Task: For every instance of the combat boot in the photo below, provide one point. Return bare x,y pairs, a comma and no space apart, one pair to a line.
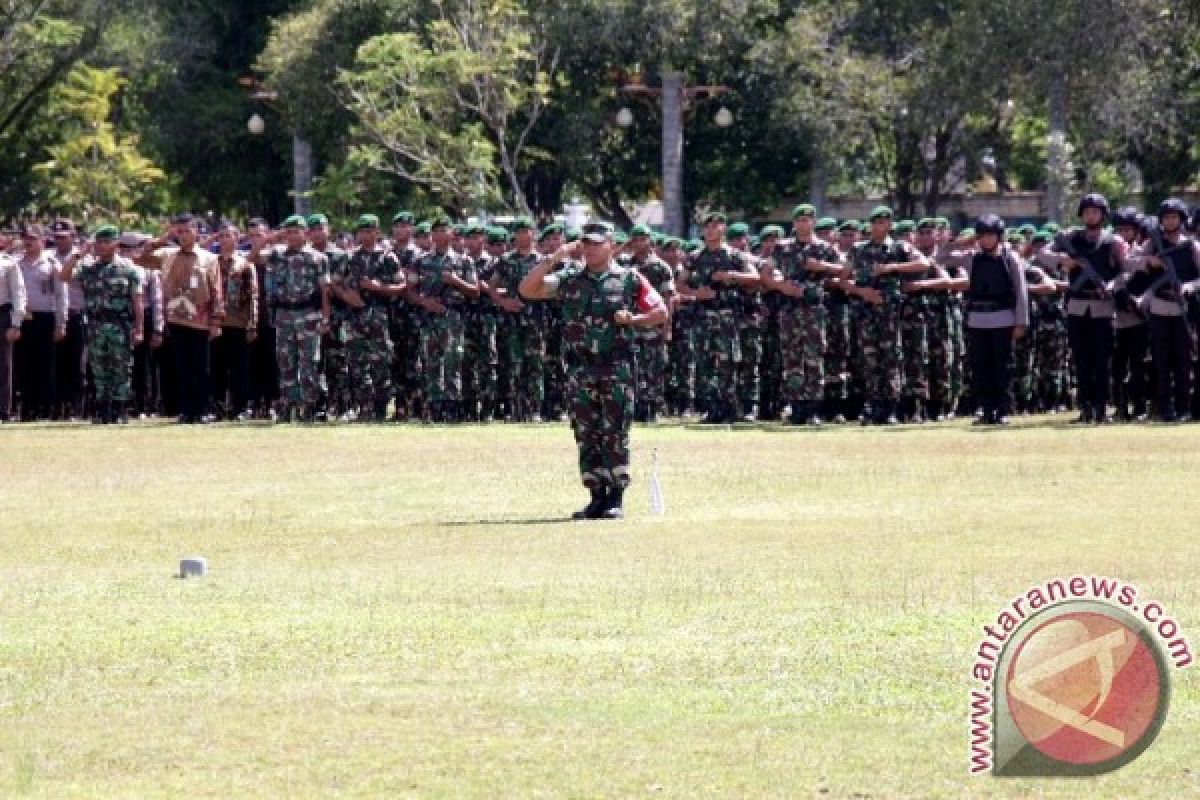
594,509
615,508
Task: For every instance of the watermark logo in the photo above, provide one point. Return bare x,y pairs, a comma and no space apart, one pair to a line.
1072,678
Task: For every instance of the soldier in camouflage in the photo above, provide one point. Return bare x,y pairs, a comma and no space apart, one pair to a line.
522,328
653,354
770,371
297,290
112,292
337,394
601,302
681,383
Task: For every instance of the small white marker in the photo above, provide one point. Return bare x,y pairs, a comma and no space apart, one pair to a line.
657,503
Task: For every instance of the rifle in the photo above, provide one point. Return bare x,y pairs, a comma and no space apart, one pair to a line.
1087,272
1170,274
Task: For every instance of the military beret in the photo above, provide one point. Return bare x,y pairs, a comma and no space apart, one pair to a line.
640,230
441,221
714,216
295,221
804,210
366,221
927,224
737,230
1014,235
825,224
550,230
522,224
966,233
942,222
404,217
620,237
671,243
573,234
693,244
459,229
771,230
107,233
497,235
850,225
905,226
657,239
316,220
423,228
1028,229
474,230
880,212
1042,236
1052,227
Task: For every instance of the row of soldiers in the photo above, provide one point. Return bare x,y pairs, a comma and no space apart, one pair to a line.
827,321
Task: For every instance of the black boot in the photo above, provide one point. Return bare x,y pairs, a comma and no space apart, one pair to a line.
615,508
594,509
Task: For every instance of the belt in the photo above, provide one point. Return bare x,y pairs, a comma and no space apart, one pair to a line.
987,306
304,305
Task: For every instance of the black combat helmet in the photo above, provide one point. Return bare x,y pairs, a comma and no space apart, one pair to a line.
1093,200
1173,205
990,223
1127,216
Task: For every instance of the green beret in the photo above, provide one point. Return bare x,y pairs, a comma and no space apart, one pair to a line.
804,210
1042,236
1028,229
671,243
317,219
693,244
927,224
658,239
107,232
880,212
405,217
905,226
966,233
640,230
296,221
550,230
621,237
459,230
366,221
496,235
850,225
1015,235
573,234
441,221
423,228
825,224
942,222
714,216
771,230
1052,227
475,230
737,229
522,224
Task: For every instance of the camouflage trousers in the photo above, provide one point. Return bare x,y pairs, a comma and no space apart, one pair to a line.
750,335
876,360
442,346
525,360
110,357
1050,359
719,352
802,341
404,331
336,369
480,364
1024,375
914,344
555,369
838,343
771,385
369,353
298,354
601,410
946,353
653,360
682,382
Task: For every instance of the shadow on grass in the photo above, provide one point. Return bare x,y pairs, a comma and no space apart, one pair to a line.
468,523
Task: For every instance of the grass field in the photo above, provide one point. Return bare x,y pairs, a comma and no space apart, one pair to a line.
401,611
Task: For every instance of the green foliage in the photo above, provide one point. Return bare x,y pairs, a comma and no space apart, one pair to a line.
95,169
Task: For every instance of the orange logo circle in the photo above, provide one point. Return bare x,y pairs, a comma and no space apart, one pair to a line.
1085,688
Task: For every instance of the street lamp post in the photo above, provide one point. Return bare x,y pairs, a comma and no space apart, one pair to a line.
674,98
301,149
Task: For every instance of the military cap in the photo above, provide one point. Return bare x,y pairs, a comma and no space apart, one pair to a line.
804,210
573,234
880,212
1042,236
942,222
295,221
850,225
966,233
1028,229
927,224
404,217
316,220
641,230
671,243
620,237
825,224
737,230
693,244
714,216
1014,235
550,230
185,218
366,221
905,226
107,233
522,224
1052,227
597,232
132,239
459,229
497,235
475,229
771,230
440,221
423,228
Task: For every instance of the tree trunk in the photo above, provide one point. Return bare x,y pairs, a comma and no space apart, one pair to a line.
1056,148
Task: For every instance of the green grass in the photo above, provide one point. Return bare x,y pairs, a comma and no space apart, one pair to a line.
389,611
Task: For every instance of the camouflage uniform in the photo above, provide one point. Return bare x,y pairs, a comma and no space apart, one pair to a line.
915,320
523,335
1024,350
600,372
295,280
751,322
405,332
877,362
946,349
482,357
443,335
368,343
682,381
802,326
718,337
336,369
110,290
1049,328
653,353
